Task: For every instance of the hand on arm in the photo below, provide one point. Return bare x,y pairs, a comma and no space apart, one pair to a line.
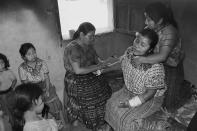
113,67
166,43
84,70
154,58
114,63
109,60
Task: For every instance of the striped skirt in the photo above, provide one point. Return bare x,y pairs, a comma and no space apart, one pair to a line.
86,98
127,119
174,80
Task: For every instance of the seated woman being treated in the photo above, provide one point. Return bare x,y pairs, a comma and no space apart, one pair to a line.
144,87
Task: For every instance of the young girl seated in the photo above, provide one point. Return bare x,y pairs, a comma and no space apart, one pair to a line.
35,70
28,107
7,83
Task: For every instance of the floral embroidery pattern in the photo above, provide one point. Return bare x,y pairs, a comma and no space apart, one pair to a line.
34,71
35,74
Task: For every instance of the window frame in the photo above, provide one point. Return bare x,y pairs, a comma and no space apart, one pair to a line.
109,30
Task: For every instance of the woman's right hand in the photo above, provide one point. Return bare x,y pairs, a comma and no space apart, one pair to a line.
100,68
103,65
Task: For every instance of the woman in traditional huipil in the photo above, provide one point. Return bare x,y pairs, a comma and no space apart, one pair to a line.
144,87
168,50
86,92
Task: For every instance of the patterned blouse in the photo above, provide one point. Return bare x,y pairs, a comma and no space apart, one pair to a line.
33,75
168,36
145,76
84,55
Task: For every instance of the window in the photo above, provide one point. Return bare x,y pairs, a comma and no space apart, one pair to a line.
73,12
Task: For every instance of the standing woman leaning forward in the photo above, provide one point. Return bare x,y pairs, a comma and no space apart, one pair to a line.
168,50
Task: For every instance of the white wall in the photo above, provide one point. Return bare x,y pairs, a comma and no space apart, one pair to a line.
23,25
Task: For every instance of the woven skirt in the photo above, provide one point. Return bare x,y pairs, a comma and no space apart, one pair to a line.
127,119
174,80
86,98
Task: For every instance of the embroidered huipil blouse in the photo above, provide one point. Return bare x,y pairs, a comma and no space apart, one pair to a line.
84,55
145,76
33,75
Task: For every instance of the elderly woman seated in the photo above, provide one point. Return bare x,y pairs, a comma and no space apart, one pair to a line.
144,87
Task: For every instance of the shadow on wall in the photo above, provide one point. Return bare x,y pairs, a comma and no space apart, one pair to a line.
20,23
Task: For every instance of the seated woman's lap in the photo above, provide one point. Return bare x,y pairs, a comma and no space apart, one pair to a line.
118,117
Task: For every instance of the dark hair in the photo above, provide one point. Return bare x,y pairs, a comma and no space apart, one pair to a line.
158,10
5,60
25,94
152,35
85,28
25,47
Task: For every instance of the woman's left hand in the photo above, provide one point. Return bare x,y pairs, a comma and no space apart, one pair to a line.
139,60
103,65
